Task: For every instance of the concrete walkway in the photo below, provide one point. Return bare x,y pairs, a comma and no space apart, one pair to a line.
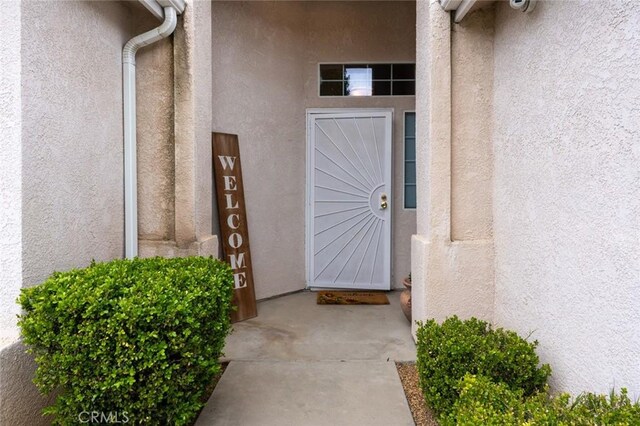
299,363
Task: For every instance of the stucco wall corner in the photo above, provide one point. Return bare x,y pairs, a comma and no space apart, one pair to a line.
206,211
153,248
155,142
184,128
471,127
419,255
471,282
206,246
174,143
452,279
10,170
194,206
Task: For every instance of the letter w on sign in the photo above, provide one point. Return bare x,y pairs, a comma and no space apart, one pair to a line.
234,230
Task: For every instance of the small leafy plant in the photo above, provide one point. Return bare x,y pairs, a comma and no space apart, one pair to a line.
447,352
483,402
136,338
616,409
471,375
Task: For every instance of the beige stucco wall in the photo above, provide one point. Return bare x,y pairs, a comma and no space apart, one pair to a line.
174,138
257,94
452,252
155,135
471,127
72,134
62,113
68,126
265,57
198,21
567,187
537,155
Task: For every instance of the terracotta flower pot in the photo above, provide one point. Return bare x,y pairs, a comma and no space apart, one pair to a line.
407,283
405,299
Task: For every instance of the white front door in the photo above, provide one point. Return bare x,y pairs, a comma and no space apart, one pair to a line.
349,199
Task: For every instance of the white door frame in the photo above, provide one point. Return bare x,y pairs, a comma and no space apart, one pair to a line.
310,158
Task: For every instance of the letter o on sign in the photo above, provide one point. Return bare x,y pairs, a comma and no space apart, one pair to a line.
235,240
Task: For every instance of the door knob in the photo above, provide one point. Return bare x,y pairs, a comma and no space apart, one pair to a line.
383,201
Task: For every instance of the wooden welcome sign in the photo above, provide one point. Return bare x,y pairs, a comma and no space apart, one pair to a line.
233,222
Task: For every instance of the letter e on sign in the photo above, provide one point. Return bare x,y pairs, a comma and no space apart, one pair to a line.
227,170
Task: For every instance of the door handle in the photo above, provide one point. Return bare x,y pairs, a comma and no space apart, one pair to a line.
383,201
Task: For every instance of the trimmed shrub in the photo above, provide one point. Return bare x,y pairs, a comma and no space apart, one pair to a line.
449,351
137,339
483,402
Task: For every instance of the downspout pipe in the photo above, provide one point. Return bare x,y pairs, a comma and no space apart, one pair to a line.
129,91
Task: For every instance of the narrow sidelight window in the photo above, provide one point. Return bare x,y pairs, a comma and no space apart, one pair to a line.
409,160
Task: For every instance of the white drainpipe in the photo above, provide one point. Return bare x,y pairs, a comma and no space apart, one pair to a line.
129,87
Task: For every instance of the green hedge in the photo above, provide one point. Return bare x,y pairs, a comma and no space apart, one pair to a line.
139,338
448,351
472,375
484,402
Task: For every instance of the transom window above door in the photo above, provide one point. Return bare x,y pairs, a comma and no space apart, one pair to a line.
397,79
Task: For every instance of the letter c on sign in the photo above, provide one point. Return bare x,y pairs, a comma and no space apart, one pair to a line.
80,417
230,221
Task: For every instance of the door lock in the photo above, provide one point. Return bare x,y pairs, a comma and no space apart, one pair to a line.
383,201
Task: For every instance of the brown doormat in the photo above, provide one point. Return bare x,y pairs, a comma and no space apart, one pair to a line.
351,298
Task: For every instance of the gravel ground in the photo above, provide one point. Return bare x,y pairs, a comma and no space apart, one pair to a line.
422,415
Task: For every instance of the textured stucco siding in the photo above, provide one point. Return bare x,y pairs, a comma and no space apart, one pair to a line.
452,252
471,128
10,170
423,108
175,186
265,57
61,163
72,134
257,94
206,214
154,134
61,166
567,187
420,241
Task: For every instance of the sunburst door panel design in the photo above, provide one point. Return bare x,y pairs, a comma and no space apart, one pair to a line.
349,200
